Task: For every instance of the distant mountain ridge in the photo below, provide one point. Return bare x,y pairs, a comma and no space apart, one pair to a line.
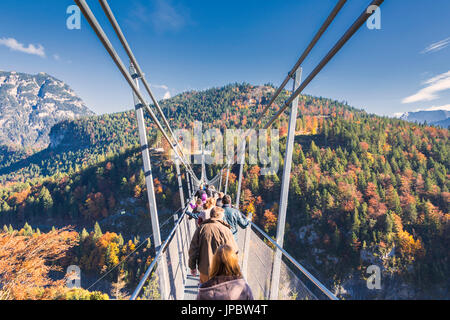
31,104
82,142
432,117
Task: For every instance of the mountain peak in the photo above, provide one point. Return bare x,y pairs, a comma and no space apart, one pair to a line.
432,117
31,104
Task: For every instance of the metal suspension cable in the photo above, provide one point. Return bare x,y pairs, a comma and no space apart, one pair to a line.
107,44
338,46
302,58
342,41
90,17
126,46
214,180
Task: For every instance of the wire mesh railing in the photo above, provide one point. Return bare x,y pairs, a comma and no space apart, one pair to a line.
296,283
165,277
261,259
167,274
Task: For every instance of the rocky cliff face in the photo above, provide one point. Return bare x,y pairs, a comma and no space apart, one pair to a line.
31,104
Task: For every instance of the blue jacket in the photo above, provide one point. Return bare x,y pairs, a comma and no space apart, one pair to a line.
234,218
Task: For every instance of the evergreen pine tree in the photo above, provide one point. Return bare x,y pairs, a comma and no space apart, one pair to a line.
97,231
84,235
356,222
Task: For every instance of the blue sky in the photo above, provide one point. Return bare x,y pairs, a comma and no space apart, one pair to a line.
184,45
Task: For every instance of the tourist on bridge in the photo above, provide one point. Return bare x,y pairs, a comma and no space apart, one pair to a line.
209,190
200,192
204,198
195,206
225,278
196,209
206,212
212,234
219,200
233,216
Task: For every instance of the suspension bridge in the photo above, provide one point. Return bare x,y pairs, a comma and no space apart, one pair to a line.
270,270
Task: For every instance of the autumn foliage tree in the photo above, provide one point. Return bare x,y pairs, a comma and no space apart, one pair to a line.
25,263
270,220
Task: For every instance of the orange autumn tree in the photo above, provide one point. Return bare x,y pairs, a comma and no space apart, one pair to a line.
25,263
270,220
409,248
376,207
104,252
95,206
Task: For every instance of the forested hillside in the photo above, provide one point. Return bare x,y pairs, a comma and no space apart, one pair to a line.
84,142
364,189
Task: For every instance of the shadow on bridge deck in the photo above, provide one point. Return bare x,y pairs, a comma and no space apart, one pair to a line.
191,287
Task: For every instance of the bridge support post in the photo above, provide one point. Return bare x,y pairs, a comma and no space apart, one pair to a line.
188,184
193,185
163,276
226,180
274,288
246,248
203,177
220,180
187,222
180,183
241,168
238,196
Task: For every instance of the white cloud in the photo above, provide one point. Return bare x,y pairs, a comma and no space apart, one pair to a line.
437,78
160,86
434,108
14,45
435,85
167,95
56,57
437,46
167,16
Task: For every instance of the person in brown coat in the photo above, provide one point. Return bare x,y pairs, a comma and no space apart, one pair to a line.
226,281
213,233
